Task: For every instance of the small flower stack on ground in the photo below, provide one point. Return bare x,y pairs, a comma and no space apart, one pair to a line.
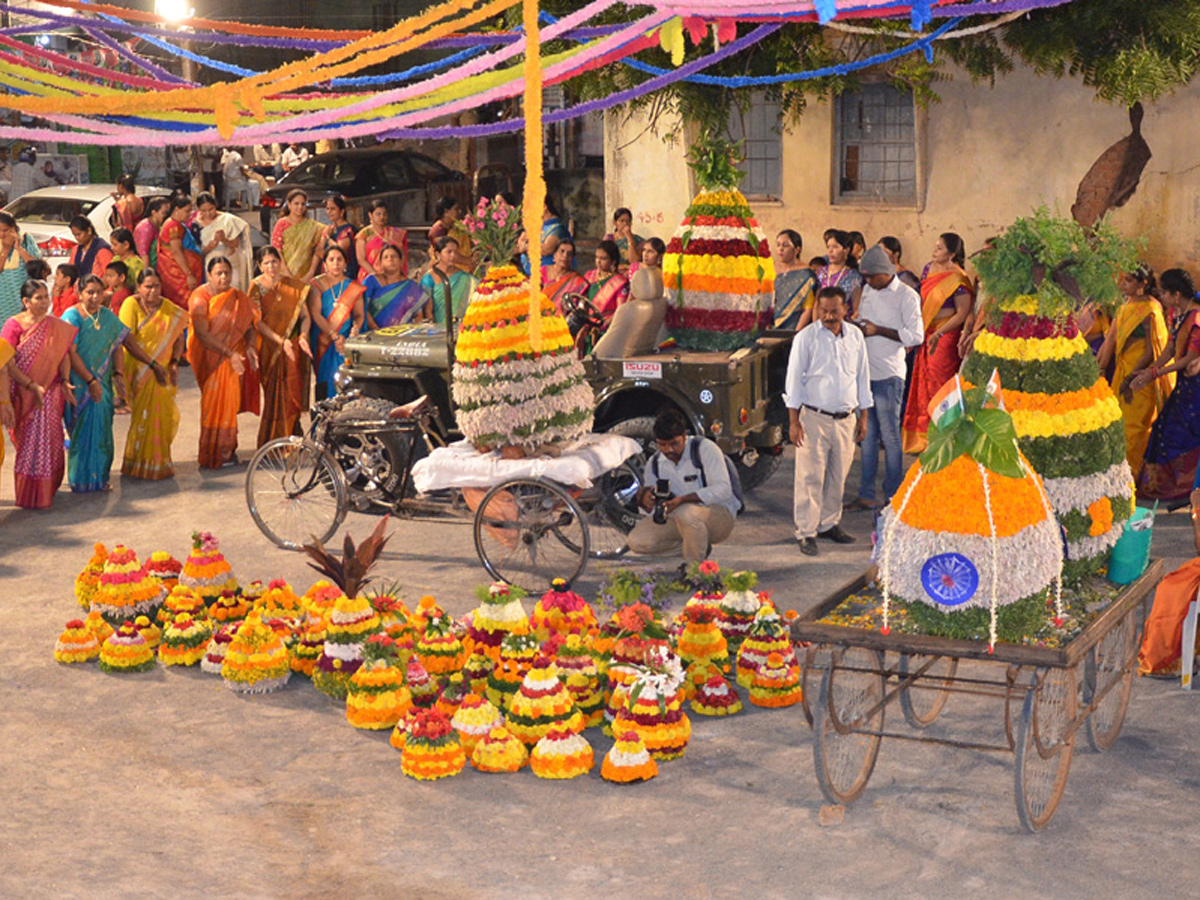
498,615
230,606
256,661
319,600
96,624
125,590
561,754
454,691
423,688
499,751
716,698
218,645
279,601
88,580
738,606
767,635
701,640
476,671
399,734
182,599
76,644
427,609
577,669
350,624
206,570
126,651
308,648
393,620
439,648
654,709
475,718
628,761
542,703
184,641
431,749
377,697
563,612
777,683
151,633
165,569
517,653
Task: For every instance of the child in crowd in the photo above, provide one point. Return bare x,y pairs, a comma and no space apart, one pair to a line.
115,290
63,293
37,270
125,251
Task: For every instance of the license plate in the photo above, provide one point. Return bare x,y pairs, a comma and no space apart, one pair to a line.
636,369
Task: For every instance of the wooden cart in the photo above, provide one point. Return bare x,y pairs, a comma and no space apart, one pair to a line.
1048,694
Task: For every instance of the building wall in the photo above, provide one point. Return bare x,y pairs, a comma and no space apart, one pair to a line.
990,154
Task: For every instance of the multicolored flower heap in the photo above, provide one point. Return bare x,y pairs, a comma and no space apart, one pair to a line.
439,648
628,761
182,599
351,622
561,754
499,751
474,720
563,612
125,590
578,671
184,641
125,650
218,646
281,602
377,698
517,653
76,644
256,660
654,708
88,580
542,703
716,698
431,749
164,568
777,683
508,392
498,615
701,640
206,570
768,634
739,605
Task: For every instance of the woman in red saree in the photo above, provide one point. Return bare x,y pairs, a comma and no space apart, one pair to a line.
43,362
607,288
285,359
560,278
947,296
178,258
221,350
372,239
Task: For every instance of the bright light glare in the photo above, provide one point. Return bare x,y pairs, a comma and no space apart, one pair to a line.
173,10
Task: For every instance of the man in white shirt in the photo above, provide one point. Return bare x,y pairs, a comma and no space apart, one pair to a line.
293,156
889,316
702,507
828,393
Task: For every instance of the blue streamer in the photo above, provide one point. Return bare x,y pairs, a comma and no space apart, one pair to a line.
826,10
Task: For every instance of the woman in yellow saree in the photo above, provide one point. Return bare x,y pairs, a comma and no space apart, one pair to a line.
1135,339
158,328
296,237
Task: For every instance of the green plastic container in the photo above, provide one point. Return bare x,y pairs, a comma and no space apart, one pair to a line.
1131,553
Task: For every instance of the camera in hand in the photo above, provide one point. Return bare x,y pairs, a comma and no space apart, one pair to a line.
662,493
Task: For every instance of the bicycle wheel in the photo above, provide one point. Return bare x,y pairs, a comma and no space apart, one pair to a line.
295,492
849,716
610,509
923,700
1045,743
1109,662
529,532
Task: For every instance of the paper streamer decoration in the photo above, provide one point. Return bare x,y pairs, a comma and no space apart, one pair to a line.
534,200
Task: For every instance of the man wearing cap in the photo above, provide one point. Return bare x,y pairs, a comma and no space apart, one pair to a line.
890,319
828,393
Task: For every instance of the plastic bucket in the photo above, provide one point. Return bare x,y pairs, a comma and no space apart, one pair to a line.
1131,553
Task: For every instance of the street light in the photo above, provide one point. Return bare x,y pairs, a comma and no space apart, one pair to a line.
173,10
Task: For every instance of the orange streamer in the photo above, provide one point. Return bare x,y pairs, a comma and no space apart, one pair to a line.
136,15
534,200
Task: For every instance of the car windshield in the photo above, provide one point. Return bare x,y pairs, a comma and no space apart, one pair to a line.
429,169
330,175
49,210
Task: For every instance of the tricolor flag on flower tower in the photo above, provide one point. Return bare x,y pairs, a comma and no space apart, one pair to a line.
993,395
946,407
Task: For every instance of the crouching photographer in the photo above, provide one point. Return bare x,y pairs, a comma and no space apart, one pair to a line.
691,494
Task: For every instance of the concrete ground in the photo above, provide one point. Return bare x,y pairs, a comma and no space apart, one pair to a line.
167,785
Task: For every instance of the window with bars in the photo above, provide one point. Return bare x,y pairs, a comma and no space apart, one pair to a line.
759,127
876,145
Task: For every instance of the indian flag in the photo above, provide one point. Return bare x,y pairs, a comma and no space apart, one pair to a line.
993,396
947,404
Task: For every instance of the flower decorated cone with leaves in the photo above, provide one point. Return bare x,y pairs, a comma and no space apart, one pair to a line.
279,601
499,751
76,644
542,703
701,640
206,571
309,646
88,580
738,605
969,543
717,271
454,692
517,653
431,749
1067,419
377,697
628,761
165,569
256,661
475,718
125,650
439,648
768,634
476,670
561,754
182,599
563,612
318,601
654,708
230,606
218,646
578,671
498,615
776,684
125,590
184,641
423,687
716,697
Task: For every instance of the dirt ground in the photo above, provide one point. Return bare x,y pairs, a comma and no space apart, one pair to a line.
167,785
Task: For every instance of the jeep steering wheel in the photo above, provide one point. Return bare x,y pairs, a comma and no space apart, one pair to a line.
580,306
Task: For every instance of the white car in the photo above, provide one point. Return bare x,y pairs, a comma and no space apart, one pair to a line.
47,212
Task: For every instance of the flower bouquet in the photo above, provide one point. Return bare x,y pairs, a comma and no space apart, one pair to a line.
184,641
493,227
206,570
76,644
701,640
561,754
125,650
499,751
431,749
628,761
88,580
256,660
540,704
475,718
654,708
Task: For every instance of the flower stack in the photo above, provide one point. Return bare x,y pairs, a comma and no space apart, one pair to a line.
253,593
318,601
125,590
421,686
542,703
577,669
517,653
709,583
498,615
654,709
454,691
96,624
474,720
563,612
206,570
182,599
279,601
88,580
431,749
561,754
165,569
184,641
696,676
256,661
476,670
427,608
439,648
230,606
125,650
701,640
499,751
393,619
738,606
308,648
716,698
399,735
768,634
150,632
777,683
218,646
377,697
350,624
509,393
628,761
76,644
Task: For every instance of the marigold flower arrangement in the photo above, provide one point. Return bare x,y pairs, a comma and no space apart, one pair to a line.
399,735
96,624
696,676
498,615
230,606
517,653
628,761
351,622
308,649
164,568
256,661
654,708
476,670
88,580
206,570
540,704
182,599
701,640
394,620
423,688
427,608
76,644
184,641
577,670
776,684
439,648
499,751
561,754
218,646
563,612
125,590
716,698
281,602
377,697
151,633
318,601
474,719
125,650
431,749
768,634
738,605
454,691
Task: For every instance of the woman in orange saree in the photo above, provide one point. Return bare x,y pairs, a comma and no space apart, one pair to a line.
336,307
158,328
947,296
560,278
178,259
220,350
284,360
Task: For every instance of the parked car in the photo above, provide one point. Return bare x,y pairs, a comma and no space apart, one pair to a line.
410,182
47,212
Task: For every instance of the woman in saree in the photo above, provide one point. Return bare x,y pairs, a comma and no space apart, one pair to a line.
178,259
335,305
445,285
553,231
91,254
128,207
629,245
221,350
339,232
947,297
607,288
296,237
840,270
16,250
89,419
1169,467
559,278
227,235
285,360
795,282
372,239
390,298
158,328
124,251
1137,337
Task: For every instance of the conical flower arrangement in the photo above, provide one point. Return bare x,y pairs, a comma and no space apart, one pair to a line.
125,590
350,624
206,570
517,653
498,615
439,648
499,751
279,601
767,635
308,648
561,754
399,735
230,606
508,392
423,688
701,640
427,609
88,580
218,646
476,670
76,644
184,641
256,661
150,632
563,612
475,718
716,698
577,669
431,749
628,761
377,697
738,606
394,620
542,703
319,600
454,691
777,683
182,599
654,709
125,651
96,624
165,569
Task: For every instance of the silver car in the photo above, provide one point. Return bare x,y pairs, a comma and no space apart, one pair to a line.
47,212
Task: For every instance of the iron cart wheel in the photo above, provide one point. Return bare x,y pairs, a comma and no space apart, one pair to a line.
1045,744
529,532
374,462
923,700
849,717
295,492
1109,667
610,509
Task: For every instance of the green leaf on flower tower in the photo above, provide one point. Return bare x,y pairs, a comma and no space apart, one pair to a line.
715,160
985,433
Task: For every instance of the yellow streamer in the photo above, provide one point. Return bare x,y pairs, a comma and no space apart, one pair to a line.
670,36
534,200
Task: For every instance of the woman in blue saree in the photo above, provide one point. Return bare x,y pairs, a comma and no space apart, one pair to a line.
444,280
90,420
392,299
553,231
336,307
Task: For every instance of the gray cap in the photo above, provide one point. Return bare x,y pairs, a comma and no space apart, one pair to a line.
875,262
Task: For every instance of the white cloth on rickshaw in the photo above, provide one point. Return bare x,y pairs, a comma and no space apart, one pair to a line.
460,465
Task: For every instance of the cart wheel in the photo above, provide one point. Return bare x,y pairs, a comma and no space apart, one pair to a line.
848,710
813,661
610,509
1045,742
529,532
1110,662
923,700
295,492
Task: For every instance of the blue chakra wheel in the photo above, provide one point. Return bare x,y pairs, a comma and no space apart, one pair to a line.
950,578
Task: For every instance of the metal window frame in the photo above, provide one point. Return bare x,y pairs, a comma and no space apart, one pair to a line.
759,97
913,200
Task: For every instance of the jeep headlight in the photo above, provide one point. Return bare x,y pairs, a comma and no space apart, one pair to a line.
341,380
